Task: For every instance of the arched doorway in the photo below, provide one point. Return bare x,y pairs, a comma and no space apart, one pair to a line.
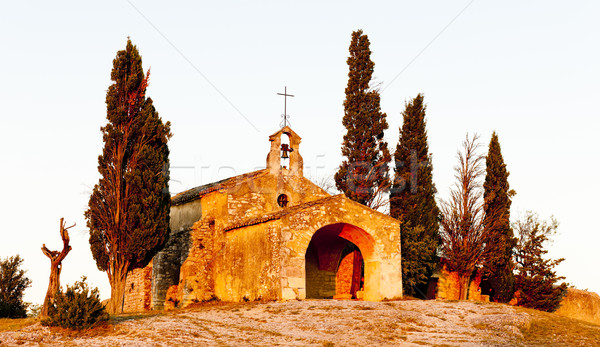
334,262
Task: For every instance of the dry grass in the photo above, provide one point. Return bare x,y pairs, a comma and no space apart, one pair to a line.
321,323
552,329
8,324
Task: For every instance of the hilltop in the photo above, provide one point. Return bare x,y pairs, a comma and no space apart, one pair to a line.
325,323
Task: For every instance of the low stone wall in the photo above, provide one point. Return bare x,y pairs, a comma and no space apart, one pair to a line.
581,304
138,289
448,287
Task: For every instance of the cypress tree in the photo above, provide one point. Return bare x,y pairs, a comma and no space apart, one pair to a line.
363,176
500,241
128,214
412,199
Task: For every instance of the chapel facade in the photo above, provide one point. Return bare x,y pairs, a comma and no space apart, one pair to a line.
270,234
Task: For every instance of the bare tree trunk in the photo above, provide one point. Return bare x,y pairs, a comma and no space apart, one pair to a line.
56,259
118,280
463,282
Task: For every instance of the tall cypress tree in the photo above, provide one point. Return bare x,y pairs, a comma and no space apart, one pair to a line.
128,213
412,199
500,241
363,176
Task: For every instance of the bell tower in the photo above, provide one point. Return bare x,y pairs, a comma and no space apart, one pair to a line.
276,159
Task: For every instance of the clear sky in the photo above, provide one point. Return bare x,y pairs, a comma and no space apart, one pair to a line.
526,69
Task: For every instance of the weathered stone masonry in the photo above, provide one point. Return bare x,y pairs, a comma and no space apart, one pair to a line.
248,237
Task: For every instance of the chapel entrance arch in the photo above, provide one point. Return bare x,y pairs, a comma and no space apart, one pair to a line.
335,262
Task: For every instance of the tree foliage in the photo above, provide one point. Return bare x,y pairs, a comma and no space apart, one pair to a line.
363,176
536,281
12,287
128,213
412,198
497,260
78,307
463,237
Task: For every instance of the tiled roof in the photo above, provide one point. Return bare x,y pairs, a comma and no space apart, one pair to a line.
198,192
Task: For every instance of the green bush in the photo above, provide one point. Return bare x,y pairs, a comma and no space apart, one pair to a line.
12,287
34,310
77,308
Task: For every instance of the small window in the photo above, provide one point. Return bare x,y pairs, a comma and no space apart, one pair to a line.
282,200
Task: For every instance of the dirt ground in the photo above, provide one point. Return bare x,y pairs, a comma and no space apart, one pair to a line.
326,323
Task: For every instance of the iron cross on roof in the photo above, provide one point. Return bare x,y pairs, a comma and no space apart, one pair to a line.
285,115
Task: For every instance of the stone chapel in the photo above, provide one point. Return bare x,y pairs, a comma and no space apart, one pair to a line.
270,234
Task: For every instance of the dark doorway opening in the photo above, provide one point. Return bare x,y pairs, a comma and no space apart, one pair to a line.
334,266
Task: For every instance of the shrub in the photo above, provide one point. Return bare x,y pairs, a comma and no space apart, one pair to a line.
77,308
34,310
12,285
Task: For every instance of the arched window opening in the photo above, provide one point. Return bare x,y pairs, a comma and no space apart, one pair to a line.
286,150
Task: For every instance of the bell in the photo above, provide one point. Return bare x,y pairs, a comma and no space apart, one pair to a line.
285,148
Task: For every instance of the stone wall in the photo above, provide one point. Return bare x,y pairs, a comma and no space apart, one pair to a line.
152,286
448,286
183,217
167,265
249,205
248,199
343,276
234,265
138,289
167,262
196,276
247,264
349,274
581,304
320,284
239,264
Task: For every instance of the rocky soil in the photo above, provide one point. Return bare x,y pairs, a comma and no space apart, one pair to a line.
326,323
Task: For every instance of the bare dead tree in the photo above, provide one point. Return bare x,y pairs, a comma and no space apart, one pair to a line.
56,259
380,200
380,192
462,233
326,183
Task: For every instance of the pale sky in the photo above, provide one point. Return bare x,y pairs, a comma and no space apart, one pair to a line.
527,69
